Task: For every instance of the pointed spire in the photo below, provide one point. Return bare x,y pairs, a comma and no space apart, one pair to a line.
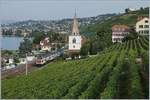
75,14
75,30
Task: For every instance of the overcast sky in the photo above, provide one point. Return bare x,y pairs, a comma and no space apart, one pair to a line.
58,9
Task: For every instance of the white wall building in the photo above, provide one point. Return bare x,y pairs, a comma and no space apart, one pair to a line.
11,60
45,44
119,32
142,26
74,42
75,39
46,48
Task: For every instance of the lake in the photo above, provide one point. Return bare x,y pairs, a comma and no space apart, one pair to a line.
10,43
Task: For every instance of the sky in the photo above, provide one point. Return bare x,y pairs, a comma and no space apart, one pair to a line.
58,9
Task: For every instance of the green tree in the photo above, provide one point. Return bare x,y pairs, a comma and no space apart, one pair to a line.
6,52
132,35
37,37
101,40
85,49
16,59
25,47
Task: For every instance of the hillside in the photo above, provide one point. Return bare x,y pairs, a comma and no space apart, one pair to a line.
63,25
100,33
129,19
114,73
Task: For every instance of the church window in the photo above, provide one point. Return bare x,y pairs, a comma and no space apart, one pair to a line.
74,46
74,40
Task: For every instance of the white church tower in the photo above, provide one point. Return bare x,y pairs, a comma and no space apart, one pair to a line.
75,39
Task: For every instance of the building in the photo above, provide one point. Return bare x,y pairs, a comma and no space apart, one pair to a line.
142,25
127,10
119,32
45,45
75,39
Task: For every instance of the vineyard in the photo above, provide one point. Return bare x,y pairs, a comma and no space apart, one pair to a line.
120,71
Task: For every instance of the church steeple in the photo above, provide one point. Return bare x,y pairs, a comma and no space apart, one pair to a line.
75,30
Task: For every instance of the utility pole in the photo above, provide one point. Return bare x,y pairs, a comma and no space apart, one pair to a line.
26,65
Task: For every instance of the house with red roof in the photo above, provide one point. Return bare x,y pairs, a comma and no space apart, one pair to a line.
119,32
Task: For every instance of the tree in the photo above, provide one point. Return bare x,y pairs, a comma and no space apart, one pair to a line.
25,47
130,36
101,40
6,52
37,37
7,32
85,49
19,33
127,10
16,59
94,46
141,8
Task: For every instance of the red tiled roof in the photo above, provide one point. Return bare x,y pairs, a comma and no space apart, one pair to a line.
120,28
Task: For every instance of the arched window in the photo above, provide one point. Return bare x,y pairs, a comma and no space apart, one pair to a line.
74,40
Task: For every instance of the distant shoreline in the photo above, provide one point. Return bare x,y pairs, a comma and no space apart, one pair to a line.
12,36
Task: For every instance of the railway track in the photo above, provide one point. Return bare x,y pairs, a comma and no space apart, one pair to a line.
18,70
32,65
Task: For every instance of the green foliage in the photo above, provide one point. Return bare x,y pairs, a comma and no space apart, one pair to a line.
101,30
6,52
129,19
75,91
145,56
16,59
111,89
85,49
38,37
145,61
135,89
53,37
131,36
18,33
25,47
91,78
93,89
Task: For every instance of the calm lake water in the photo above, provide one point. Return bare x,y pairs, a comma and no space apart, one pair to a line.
10,43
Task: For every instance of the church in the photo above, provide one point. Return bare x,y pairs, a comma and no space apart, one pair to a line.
75,39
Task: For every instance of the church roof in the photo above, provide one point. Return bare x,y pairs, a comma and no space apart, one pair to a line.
75,30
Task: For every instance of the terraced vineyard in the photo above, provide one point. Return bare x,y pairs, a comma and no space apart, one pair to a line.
120,71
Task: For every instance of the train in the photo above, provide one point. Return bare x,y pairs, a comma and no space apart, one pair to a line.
43,58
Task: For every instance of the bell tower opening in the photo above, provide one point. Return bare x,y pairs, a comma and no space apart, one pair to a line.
74,40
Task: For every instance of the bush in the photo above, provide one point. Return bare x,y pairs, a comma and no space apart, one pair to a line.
85,49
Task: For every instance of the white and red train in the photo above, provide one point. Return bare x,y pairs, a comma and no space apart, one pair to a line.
42,59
